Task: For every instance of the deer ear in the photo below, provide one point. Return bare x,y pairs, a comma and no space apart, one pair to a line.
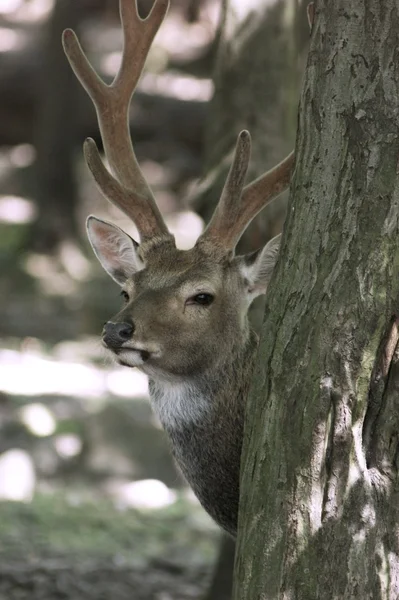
115,249
257,267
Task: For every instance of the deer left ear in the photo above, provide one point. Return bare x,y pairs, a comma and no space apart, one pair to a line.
257,267
115,249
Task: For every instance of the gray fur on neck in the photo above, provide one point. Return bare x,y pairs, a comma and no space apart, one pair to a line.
181,404
204,420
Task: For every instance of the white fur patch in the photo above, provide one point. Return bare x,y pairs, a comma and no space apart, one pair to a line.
179,403
130,358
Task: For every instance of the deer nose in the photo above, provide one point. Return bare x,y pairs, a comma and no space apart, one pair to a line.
114,334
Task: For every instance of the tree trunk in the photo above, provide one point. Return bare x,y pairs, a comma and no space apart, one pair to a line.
56,186
319,488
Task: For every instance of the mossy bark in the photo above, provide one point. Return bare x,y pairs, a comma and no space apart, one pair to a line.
319,492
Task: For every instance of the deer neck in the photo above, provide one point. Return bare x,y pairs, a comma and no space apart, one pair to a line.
204,419
201,399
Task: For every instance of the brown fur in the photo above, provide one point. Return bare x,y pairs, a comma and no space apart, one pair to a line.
199,358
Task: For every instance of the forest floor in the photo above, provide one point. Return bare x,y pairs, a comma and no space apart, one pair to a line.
52,549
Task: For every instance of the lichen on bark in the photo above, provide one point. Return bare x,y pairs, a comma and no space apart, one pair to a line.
319,489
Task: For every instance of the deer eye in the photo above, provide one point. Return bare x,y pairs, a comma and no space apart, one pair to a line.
125,296
202,299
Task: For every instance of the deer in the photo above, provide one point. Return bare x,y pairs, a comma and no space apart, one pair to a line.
184,321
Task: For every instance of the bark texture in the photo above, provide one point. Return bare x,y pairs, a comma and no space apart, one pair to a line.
319,504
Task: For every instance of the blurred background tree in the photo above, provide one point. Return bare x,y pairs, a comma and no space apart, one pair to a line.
262,46
103,511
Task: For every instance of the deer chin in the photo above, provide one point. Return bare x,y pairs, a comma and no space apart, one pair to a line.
137,355
129,357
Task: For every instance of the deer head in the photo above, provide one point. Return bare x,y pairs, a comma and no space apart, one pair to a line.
182,309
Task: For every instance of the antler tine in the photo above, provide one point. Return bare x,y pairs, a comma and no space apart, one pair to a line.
132,204
87,76
222,226
138,35
237,206
130,191
260,192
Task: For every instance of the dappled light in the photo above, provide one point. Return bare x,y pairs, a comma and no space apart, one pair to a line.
242,8
38,419
9,6
74,261
147,493
14,209
58,276
186,227
178,86
31,374
22,11
22,155
159,175
53,280
68,445
17,476
111,63
16,157
187,40
127,383
11,39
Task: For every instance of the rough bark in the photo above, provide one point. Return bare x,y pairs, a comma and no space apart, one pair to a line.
319,504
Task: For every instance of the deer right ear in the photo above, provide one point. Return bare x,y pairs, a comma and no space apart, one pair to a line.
257,267
115,249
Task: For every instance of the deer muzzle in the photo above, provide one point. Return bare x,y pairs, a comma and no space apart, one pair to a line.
116,334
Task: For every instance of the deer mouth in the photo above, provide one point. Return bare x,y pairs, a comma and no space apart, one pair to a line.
134,356
131,357
144,354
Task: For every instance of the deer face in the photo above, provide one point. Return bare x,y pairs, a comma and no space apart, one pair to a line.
183,310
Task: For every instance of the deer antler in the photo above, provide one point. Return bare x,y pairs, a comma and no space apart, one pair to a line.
221,226
129,190
237,206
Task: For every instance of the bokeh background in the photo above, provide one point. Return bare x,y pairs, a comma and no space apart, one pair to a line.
91,505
